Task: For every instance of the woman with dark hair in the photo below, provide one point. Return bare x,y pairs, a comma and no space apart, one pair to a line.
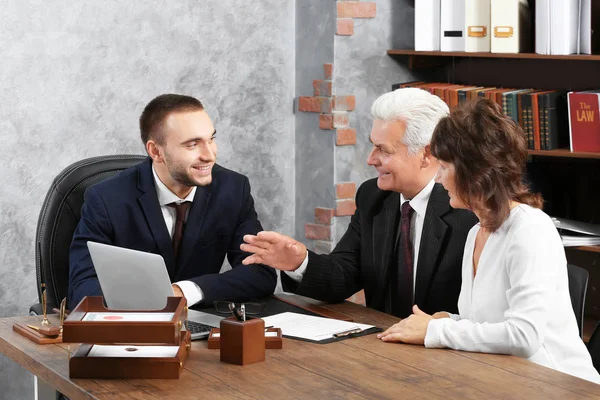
514,296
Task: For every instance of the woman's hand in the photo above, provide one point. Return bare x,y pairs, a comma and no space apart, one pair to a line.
410,330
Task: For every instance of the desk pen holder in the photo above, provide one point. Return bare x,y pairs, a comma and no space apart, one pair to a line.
242,342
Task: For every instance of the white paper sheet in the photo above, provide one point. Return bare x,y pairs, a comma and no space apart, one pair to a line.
309,327
127,317
133,351
267,334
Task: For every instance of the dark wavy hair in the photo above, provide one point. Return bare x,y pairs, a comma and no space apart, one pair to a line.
488,151
156,112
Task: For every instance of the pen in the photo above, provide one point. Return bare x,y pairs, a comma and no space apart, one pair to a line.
350,331
237,312
46,330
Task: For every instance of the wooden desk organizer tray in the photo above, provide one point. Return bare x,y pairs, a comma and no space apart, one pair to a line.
125,344
120,326
110,362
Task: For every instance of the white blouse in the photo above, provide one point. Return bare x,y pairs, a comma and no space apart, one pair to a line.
518,303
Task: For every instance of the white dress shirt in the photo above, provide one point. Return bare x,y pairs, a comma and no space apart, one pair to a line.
518,302
419,204
192,292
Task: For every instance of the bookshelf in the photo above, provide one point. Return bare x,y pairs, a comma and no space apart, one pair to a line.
564,153
569,181
522,56
593,249
454,63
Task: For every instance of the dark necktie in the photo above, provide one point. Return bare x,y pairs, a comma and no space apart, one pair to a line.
402,286
181,210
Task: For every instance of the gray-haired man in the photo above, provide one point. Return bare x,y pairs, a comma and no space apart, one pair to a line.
404,244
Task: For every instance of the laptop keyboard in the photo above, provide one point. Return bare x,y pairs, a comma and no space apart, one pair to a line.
196,327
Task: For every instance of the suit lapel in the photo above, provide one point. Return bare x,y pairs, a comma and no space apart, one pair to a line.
385,225
149,203
193,224
432,237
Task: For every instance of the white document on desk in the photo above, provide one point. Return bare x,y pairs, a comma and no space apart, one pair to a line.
311,328
132,351
127,317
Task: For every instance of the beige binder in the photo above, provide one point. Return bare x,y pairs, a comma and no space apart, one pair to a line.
477,25
511,28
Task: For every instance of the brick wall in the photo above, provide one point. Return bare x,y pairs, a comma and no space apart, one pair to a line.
347,11
333,115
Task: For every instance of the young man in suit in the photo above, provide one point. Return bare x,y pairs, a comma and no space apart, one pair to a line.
404,244
178,203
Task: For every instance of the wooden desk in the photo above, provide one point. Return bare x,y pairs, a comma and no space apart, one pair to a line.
361,367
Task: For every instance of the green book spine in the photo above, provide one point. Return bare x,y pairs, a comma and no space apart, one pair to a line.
509,104
528,120
543,106
515,107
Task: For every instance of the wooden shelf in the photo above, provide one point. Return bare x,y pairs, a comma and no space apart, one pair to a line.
526,56
563,153
591,249
589,324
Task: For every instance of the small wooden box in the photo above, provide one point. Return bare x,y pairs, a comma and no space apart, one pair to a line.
83,366
242,342
75,330
271,342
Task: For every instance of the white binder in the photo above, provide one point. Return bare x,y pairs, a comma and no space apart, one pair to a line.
542,27
452,25
557,26
584,42
427,25
477,25
564,26
510,26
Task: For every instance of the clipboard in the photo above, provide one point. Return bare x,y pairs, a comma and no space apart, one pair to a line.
341,335
319,330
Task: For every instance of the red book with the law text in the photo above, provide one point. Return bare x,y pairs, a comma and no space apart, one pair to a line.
584,120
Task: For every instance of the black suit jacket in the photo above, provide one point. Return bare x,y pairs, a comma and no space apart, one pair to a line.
124,211
365,255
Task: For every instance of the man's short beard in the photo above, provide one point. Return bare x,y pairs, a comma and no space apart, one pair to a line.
183,178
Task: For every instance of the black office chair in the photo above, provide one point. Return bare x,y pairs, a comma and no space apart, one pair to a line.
578,282
58,219
594,347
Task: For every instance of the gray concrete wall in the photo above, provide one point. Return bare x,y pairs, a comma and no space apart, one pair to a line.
75,76
315,28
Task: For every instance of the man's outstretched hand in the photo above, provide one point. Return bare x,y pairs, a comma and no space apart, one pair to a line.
275,250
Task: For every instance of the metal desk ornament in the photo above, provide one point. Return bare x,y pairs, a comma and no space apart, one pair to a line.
45,321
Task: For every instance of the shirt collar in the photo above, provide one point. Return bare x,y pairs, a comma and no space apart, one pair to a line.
165,196
419,202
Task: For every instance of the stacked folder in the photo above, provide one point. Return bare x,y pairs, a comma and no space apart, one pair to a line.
576,233
499,26
565,27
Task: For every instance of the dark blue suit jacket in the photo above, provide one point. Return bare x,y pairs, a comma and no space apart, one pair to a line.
124,211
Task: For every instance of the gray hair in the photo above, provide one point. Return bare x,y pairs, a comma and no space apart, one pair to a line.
417,108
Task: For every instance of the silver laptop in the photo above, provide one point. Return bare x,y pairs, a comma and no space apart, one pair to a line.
136,280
